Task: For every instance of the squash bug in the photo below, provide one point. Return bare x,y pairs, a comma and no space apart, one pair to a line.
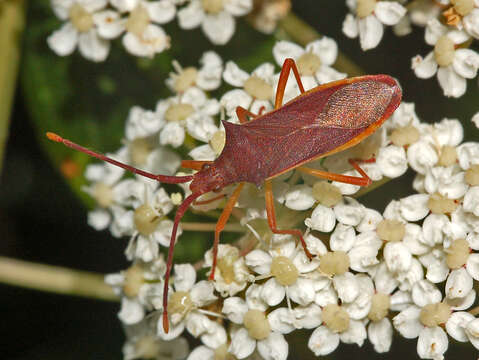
319,122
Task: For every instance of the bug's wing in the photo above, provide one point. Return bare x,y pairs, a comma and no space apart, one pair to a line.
322,121
345,104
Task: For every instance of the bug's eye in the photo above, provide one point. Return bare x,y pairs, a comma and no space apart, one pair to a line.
217,188
205,166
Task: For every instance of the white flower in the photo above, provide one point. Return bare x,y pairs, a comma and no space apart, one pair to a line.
150,227
337,326
142,123
143,342
455,66
288,266
314,63
143,37
191,110
184,308
207,78
257,331
256,89
137,284
464,15
85,25
371,16
231,275
215,17
112,194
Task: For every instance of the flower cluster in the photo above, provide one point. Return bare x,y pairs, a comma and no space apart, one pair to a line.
451,27
410,269
93,24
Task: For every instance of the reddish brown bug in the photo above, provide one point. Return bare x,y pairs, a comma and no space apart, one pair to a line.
322,121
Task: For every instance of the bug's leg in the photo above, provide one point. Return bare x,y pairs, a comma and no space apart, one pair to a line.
288,65
243,114
363,180
194,164
220,225
268,189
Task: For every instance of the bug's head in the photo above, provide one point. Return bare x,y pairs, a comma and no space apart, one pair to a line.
207,179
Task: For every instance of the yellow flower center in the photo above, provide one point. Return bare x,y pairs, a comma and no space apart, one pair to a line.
391,230
180,303
283,269
258,88
457,254
444,51
435,314
103,194
326,194
257,324
138,21
80,18
365,8
403,136
185,79
146,219
334,263
139,150
179,112
335,318
212,6
439,204
308,64
448,156
133,281
379,307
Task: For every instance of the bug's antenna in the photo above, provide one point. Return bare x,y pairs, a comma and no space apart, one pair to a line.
179,214
161,178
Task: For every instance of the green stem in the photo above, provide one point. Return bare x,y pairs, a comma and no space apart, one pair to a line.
197,226
12,14
54,279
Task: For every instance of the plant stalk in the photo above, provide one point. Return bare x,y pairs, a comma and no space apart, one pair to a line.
54,279
12,22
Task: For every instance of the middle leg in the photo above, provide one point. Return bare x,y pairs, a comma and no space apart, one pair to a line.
268,189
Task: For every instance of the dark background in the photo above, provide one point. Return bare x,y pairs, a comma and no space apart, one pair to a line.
41,220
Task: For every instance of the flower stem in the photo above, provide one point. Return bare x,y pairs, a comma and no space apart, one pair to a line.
12,22
197,226
54,279
302,33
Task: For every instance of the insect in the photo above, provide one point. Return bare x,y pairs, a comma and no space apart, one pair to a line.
322,121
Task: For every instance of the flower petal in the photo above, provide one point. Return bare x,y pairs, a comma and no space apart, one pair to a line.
389,12
219,28
370,32
452,84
